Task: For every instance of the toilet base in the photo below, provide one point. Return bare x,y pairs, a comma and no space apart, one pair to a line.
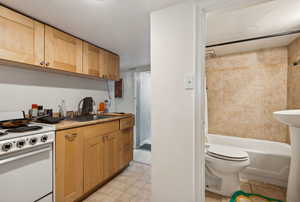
225,185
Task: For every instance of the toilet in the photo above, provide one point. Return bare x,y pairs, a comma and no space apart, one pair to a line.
222,167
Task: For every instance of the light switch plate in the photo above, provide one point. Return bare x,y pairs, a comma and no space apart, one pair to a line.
189,82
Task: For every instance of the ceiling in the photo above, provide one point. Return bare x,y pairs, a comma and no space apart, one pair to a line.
123,26
255,21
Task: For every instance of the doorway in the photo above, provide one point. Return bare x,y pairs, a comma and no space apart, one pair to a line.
143,117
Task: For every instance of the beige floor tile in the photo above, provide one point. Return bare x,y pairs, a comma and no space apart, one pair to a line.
246,187
212,197
99,198
125,197
269,191
225,199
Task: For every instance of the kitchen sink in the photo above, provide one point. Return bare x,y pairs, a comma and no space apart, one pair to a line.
85,118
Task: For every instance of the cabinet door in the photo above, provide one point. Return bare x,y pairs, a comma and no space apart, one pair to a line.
93,162
62,51
109,157
104,62
127,146
112,66
21,38
69,165
118,148
116,67
91,60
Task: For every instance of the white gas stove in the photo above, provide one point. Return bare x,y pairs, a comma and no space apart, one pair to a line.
26,164
18,141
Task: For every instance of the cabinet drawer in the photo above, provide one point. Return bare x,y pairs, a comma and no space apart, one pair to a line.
100,129
126,123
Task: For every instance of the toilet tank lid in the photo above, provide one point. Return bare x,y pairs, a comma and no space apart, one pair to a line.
226,151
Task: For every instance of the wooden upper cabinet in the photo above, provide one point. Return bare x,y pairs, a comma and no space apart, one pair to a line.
114,67
109,65
103,64
63,51
24,40
91,59
21,38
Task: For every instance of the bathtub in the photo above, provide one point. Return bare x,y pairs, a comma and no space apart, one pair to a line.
269,160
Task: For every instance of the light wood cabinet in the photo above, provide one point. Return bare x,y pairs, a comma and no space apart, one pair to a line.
69,165
116,67
126,123
127,146
118,151
21,38
109,154
93,162
91,59
63,51
110,65
90,155
26,41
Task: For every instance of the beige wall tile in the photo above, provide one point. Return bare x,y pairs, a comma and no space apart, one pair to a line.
243,92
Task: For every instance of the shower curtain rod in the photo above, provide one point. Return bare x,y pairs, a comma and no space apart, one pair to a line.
253,39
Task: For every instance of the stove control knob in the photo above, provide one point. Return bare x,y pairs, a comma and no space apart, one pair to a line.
6,146
33,141
21,143
44,138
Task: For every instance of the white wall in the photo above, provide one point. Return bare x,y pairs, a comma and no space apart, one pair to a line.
173,42
127,102
19,88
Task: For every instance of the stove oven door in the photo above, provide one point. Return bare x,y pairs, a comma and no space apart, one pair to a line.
26,176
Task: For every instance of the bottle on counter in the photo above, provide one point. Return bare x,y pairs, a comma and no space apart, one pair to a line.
40,110
34,110
107,104
62,109
101,108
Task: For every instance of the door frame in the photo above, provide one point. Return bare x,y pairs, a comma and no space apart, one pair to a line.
203,8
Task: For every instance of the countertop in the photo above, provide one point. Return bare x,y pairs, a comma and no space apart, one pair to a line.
68,124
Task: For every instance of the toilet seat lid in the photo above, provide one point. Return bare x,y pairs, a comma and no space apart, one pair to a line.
226,153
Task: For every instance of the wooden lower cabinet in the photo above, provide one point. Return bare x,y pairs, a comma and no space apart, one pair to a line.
93,162
69,165
127,146
109,154
88,156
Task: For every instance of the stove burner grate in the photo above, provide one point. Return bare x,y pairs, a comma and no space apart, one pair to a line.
3,133
24,129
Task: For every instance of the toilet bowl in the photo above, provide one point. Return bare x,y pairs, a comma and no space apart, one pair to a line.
222,167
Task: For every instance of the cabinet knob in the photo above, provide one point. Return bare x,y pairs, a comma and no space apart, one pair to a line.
42,63
47,64
71,137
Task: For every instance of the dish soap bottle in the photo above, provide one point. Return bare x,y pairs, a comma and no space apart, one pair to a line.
62,109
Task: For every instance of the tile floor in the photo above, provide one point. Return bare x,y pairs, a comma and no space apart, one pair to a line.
252,187
142,156
134,185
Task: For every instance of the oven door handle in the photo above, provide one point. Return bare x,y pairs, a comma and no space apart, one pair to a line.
14,158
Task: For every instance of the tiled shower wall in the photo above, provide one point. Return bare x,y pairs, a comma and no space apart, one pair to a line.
243,92
294,75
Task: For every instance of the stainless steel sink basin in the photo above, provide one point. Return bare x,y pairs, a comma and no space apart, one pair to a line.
88,118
